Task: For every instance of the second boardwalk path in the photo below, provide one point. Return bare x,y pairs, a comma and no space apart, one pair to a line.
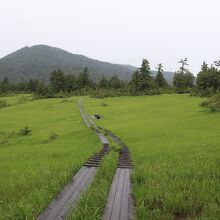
120,204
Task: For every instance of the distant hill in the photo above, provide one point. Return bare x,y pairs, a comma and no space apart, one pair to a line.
132,68
38,61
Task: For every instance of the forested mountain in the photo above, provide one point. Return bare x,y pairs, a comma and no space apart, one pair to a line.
38,61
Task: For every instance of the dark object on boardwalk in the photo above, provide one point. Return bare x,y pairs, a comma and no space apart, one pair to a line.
97,116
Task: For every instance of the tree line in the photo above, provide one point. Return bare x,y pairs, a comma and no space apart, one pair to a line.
142,82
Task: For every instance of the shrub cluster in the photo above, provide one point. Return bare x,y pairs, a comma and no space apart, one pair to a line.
24,98
213,103
3,104
25,131
53,136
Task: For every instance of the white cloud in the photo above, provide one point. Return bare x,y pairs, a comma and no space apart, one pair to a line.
119,31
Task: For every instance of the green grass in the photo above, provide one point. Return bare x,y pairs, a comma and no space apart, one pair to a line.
174,142
175,145
34,168
15,99
92,203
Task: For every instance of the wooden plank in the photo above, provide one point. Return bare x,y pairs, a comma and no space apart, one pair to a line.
55,211
103,139
74,198
45,214
91,121
131,208
120,205
70,189
61,205
118,197
124,215
51,206
85,120
111,196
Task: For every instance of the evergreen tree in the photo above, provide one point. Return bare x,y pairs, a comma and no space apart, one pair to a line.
103,83
179,80
217,63
41,89
5,85
190,79
115,83
57,81
208,78
204,67
145,81
22,86
184,63
183,79
134,83
32,85
70,83
83,80
159,80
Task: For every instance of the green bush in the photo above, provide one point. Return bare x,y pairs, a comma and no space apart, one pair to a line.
212,103
104,104
4,142
61,94
153,92
25,98
64,100
53,136
25,131
208,92
3,104
103,93
183,90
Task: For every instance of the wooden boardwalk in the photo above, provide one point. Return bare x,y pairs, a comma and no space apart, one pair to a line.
120,204
59,208
67,199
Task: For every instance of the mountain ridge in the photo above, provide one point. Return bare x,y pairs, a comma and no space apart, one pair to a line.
38,61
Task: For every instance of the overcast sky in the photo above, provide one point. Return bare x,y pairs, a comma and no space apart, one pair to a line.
118,31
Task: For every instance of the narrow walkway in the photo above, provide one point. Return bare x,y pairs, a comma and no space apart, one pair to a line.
59,208
120,204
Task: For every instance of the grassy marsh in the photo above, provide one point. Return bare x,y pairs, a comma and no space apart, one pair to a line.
35,167
175,145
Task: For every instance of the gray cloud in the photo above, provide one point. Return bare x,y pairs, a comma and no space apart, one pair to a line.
118,31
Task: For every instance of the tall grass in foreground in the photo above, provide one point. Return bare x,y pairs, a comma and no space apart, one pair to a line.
175,145
92,203
35,167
